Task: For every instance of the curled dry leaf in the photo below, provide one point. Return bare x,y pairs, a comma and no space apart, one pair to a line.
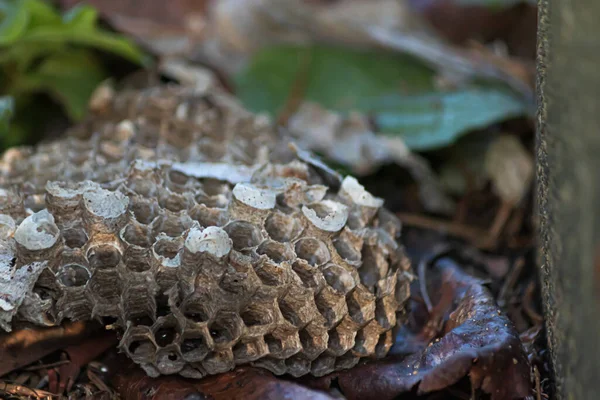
23,347
475,339
243,383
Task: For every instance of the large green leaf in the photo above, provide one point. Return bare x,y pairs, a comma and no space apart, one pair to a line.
13,21
397,91
71,77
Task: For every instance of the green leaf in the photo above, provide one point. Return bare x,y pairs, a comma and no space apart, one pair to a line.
397,91
7,106
41,13
71,77
13,21
81,17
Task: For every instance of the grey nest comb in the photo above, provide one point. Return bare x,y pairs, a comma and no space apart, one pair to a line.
183,220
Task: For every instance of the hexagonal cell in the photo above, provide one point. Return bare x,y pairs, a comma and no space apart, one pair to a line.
310,275
138,303
166,331
332,305
385,343
75,238
348,247
225,329
278,252
314,251
219,361
322,365
341,339
283,343
338,278
246,351
346,361
73,275
326,215
193,372
194,345
37,233
257,314
298,307
136,234
276,366
195,310
389,222
137,260
174,202
11,203
385,312
166,250
244,234
104,211
374,266
366,339
282,227
141,350
298,365
208,216
144,210
271,274
103,256
171,224
361,305
169,360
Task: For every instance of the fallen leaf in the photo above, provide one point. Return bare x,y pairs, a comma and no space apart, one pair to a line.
475,339
22,347
350,142
242,383
511,168
397,92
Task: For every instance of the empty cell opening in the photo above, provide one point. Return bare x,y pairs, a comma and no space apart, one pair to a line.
273,343
165,335
287,310
277,252
177,178
282,228
207,216
172,225
256,315
142,349
75,238
142,320
312,250
223,330
167,248
144,210
195,343
346,250
307,273
195,312
137,235
339,279
214,187
162,305
73,275
244,234
321,209
374,267
270,274
174,202
103,256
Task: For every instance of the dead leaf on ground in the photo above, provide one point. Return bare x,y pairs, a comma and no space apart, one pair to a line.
245,383
463,333
23,347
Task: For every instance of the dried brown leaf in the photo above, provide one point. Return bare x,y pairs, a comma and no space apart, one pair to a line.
475,339
23,347
242,383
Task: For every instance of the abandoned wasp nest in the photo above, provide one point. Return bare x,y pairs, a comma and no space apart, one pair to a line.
177,216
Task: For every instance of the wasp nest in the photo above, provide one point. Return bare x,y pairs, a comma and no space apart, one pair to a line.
168,215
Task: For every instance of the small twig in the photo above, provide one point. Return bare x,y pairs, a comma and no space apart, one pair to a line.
25,391
510,281
528,304
422,271
47,366
472,234
538,386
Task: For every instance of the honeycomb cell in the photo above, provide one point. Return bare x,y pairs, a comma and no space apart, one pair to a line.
194,345
244,234
339,278
332,305
144,210
282,227
103,255
326,215
278,252
248,351
312,250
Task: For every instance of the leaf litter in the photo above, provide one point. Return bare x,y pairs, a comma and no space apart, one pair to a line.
459,343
